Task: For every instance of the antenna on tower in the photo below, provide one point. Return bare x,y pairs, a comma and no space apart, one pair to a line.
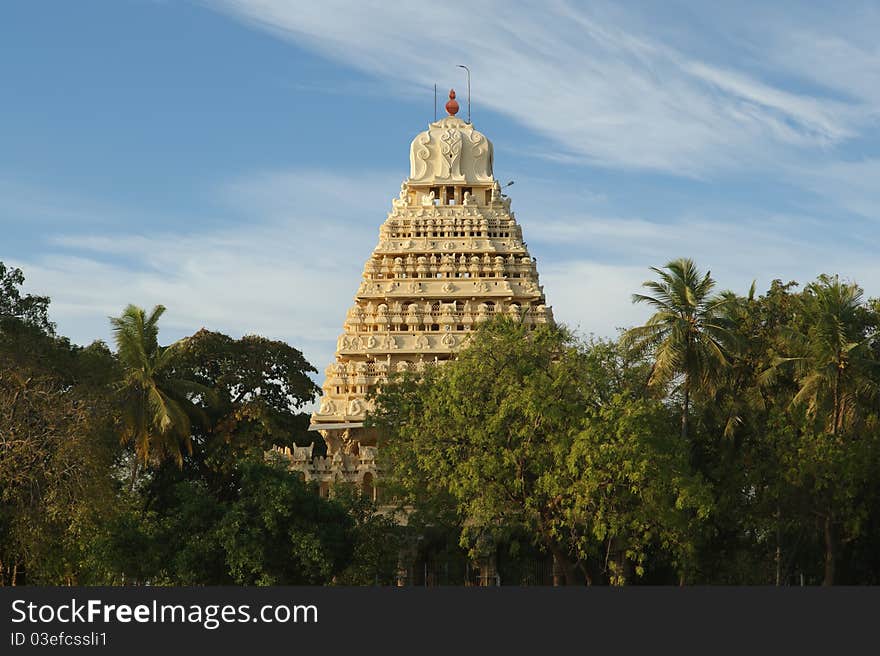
469,89
435,102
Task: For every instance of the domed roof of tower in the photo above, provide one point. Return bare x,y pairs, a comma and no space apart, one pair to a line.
450,151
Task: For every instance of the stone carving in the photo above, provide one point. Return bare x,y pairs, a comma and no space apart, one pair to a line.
450,150
400,201
391,343
355,408
414,287
468,199
419,156
372,342
327,407
421,342
450,147
448,340
496,192
428,199
448,288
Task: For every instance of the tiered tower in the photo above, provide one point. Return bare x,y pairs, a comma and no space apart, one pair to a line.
450,255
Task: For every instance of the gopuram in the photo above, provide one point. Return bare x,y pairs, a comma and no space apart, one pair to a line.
450,255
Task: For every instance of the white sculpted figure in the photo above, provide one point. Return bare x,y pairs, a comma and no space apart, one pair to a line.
355,407
496,192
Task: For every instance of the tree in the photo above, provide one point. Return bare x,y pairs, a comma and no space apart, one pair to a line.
832,354
56,453
280,531
837,367
29,309
529,431
689,335
157,408
489,429
260,388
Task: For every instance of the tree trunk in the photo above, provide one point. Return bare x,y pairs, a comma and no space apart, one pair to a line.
778,548
564,571
685,408
134,471
836,400
830,543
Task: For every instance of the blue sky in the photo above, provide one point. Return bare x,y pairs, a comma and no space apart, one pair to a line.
234,159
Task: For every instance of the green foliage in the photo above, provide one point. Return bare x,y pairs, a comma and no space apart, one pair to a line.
28,309
531,431
57,450
260,387
633,489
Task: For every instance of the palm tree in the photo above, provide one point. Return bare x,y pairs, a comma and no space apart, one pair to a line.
833,368
688,336
836,371
156,407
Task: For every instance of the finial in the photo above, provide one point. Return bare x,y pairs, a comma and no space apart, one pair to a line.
452,103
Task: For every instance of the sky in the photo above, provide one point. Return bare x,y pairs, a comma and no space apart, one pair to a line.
233,159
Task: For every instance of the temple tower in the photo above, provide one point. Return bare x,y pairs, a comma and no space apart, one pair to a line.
450,255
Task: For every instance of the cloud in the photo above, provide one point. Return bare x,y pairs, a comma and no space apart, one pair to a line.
289,265
736,249
287,269
593,297
591,81
853,185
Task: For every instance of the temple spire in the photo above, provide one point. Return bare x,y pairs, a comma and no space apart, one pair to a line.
450,255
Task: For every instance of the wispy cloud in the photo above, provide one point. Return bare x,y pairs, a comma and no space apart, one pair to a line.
600,88
288,268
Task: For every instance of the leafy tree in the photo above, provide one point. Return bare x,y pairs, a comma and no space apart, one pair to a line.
56,451
520,440
29,309
376,539
488,429
279,531
632,490
260,387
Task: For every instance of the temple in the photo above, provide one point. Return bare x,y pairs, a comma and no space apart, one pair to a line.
450,255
